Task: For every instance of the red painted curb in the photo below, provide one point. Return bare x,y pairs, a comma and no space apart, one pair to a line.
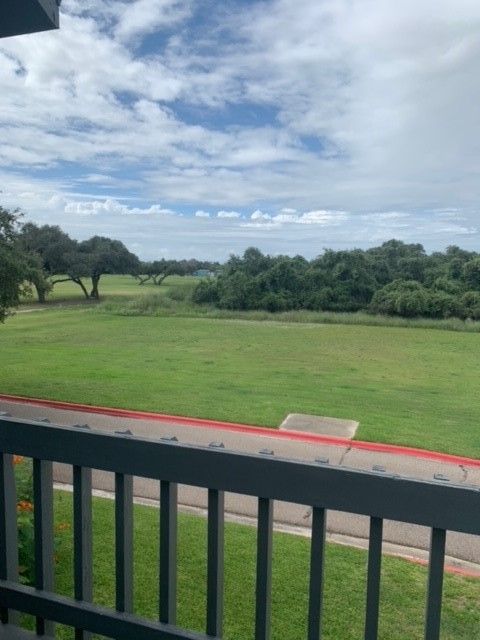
458,571
284,434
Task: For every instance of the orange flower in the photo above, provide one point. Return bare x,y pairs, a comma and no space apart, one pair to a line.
17,459
24,505
62,526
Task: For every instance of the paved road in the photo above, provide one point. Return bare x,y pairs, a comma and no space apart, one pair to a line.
408,540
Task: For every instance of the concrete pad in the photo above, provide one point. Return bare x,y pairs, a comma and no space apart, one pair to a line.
322,425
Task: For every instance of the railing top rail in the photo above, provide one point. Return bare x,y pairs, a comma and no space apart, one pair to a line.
429,503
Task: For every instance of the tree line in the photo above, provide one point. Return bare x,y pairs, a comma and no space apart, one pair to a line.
37,258
393,279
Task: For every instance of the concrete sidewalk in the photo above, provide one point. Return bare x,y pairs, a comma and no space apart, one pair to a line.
411,541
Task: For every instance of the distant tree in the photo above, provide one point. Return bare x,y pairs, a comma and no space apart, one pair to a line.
349,279
206,292
400,297
254,262
409,298
158,270
471,274
455,268
395,278
36,276
51,253
470,305
238,291
98,256
398,261
12,263
144,272
52,244
447,285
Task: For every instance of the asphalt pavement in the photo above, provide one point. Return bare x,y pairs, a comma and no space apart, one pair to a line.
410,541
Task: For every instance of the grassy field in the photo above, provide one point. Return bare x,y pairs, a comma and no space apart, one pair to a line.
402,598
408,386
111,287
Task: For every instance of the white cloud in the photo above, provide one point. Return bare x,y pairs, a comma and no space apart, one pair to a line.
228,214
140,17
457,230
98,178
202,214
323,217
259,215
320,217
110,206
159,234
352,120
385,215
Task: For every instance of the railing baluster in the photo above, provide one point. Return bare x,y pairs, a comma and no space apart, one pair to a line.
8,529
264,569
317,557
44,535
435,584
168,551
124,542
215,574
82,538
373,578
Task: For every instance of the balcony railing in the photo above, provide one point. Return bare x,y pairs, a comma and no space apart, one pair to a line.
437,505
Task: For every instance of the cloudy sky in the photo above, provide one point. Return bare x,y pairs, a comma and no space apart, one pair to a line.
199,128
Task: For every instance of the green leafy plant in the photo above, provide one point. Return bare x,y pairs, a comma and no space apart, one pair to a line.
25,522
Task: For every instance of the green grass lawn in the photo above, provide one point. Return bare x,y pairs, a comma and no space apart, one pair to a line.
117,287
408,386
403,584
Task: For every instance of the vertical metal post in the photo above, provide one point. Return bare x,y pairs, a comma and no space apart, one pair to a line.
82,539
168,551
435,584
373,578
264,569
124,542
8,530
317,559
44,534
215,573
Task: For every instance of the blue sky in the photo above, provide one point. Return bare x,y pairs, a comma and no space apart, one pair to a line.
199,128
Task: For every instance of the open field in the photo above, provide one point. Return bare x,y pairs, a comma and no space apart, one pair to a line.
112,287
415,387
403,584
122,295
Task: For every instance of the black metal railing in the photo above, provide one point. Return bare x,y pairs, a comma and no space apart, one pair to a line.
436,505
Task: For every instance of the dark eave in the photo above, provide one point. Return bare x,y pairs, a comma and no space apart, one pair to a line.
28,16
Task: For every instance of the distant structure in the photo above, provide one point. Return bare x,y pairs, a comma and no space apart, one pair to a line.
203,273
28,16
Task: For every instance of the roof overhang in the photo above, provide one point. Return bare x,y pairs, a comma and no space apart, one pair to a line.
28,16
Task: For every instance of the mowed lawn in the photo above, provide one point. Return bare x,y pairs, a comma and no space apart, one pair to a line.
402,596
111,286
408,386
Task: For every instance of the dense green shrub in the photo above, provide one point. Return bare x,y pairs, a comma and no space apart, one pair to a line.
25,522
395,279
406,298
470,305
206,292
